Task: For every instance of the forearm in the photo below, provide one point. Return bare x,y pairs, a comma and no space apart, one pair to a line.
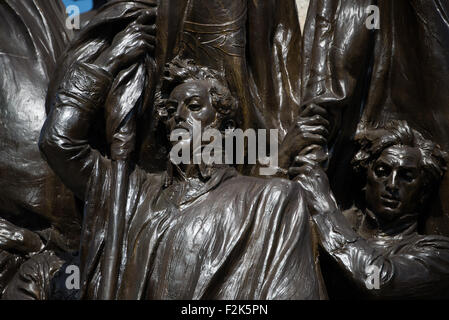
410,274
64,137
352,253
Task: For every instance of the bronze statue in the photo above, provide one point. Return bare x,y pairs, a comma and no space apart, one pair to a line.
402,170
194,231
40,219
256,44
139,72
378,65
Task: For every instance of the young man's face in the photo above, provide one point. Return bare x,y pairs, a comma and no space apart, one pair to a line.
394,183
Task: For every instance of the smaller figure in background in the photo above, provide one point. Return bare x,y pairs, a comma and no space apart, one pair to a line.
380,238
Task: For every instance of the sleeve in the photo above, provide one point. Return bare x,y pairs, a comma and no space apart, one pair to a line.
417,270
64,137
9,264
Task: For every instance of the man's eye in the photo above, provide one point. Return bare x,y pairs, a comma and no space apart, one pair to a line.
381,171
171,110
408,176
195,106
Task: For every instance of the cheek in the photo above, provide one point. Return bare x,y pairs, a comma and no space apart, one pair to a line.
412,190
372,192
206,116
373,184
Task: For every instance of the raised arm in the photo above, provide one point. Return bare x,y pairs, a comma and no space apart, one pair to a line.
81,95
64,137
419,271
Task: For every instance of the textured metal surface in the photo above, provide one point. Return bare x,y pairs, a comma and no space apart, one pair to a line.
32,38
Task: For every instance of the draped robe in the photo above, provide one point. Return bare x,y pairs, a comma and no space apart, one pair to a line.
218,236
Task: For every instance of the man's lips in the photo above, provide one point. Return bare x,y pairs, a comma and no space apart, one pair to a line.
390,202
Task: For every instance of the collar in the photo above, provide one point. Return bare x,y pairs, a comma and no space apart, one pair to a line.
181,189
399,229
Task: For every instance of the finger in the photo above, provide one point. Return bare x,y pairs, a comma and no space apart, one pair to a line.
321,130
310,149
140,38
135,30
148,39
304,160
316,120
141,29
305,169
312,138
148,16
319,156
144,29
295,171
5,233
313,109
143,48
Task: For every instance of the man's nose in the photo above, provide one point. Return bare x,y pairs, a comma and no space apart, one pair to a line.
180,114
392,182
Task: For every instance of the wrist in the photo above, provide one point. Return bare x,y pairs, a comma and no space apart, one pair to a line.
88,84
107,64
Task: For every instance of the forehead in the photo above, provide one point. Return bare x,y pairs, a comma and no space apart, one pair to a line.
190,89
401,156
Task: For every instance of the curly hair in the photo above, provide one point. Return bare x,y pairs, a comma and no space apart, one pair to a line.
180,71
373,141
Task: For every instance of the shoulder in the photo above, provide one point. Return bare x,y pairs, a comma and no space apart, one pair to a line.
424,248
354,216
431,242
273,186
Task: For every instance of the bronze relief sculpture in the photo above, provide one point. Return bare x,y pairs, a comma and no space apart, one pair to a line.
345,100
401,170
40,218
193,224
378,75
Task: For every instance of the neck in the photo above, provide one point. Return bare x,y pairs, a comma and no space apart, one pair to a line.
372,226
189,172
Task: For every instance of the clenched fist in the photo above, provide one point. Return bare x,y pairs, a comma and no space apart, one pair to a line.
308,136
130,45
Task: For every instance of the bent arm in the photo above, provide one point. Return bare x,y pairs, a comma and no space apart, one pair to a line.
420,271
417,269
64,137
